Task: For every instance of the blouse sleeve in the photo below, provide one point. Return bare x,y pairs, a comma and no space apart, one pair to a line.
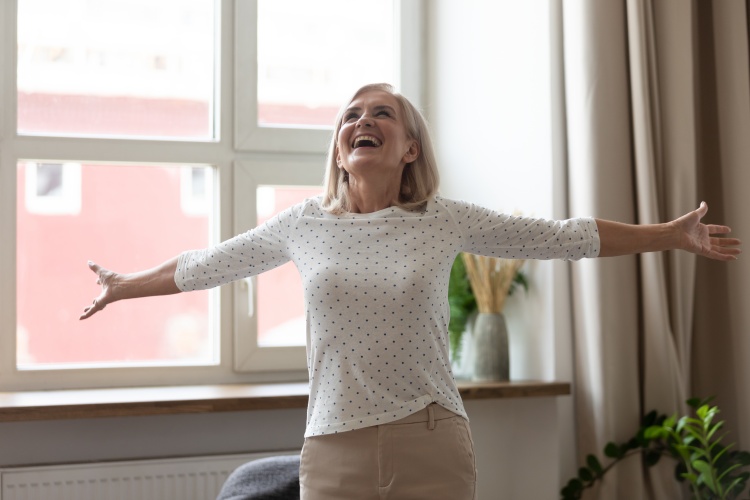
487,232
258,250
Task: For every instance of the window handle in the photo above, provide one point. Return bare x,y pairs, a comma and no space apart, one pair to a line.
248,285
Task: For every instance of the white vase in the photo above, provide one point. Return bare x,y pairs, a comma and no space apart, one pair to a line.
490,353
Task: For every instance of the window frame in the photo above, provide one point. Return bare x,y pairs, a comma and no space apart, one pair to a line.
249,175
236,164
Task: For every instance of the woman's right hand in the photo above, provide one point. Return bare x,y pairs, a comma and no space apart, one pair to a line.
106,279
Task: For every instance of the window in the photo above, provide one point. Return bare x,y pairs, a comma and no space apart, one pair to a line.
127,150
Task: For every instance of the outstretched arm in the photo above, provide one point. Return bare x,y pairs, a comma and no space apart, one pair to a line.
686,233
156,281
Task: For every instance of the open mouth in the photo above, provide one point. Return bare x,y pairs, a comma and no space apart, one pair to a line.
366,141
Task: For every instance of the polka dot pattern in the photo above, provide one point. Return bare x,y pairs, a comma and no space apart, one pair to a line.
375,290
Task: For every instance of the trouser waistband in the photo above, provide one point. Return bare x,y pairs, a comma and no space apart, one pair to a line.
430,414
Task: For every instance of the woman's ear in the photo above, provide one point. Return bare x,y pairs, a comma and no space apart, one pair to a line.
412,153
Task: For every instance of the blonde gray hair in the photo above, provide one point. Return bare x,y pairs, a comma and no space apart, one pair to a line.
420,179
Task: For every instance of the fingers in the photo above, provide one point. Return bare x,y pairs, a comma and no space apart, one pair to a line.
716,229
702,209
717,255
94,308
726,242
724,249
88,312
727,251
97,269
98,303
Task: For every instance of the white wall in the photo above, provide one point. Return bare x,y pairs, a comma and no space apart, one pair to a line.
489,101
133,438
489,108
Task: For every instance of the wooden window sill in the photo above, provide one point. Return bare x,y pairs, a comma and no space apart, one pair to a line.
96,403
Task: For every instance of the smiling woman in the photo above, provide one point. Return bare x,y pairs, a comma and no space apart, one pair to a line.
371,139
375,254
399,138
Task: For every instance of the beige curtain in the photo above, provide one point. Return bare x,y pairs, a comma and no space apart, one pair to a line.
721,350
635,104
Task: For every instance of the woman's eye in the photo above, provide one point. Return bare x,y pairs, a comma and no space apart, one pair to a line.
350,116
382,113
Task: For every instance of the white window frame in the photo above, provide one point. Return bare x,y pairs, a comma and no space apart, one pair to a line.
249,175
241,162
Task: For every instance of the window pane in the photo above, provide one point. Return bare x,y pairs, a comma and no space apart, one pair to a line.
281,306
311,55
130,218
128,68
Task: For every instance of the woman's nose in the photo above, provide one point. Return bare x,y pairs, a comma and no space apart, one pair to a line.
364,121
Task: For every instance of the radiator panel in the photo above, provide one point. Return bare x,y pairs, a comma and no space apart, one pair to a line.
197,478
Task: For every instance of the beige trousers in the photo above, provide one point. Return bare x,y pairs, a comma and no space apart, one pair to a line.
428,455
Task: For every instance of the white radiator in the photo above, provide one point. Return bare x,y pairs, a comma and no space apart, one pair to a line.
197,478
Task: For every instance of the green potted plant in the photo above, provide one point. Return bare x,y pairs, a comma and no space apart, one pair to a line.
713,471
479,285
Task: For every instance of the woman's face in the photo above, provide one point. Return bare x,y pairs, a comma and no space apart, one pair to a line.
373,136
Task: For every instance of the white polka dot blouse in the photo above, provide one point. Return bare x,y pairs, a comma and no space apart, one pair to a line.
376,295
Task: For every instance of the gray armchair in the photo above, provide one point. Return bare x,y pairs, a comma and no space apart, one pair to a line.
272,478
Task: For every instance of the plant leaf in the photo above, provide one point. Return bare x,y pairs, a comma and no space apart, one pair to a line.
738,482
714,429
655,432
462,304
594,464
705,469
680,471
669,422
652,458
742,457
690,477
612,450
694,402
650,419
585,475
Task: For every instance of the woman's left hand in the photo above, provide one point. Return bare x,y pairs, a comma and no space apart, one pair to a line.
701,239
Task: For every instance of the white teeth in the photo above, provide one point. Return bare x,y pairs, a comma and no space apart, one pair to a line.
369,138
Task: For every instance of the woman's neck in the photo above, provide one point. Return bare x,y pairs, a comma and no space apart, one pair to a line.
371,195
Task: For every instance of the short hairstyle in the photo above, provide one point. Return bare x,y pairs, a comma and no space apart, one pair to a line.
420,179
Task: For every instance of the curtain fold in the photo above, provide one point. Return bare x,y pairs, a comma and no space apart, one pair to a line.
600,183
662,107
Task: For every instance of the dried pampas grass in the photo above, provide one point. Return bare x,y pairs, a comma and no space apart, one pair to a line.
491,280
